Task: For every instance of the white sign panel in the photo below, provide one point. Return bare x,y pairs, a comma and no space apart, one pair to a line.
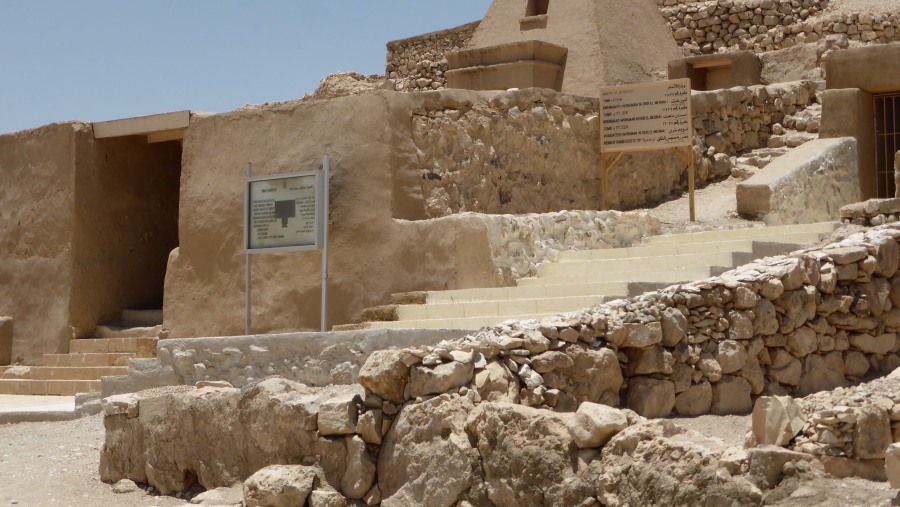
283,212
646,116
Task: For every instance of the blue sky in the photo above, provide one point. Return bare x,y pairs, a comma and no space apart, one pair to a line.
96,60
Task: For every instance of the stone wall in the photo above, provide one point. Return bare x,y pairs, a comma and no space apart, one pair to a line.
535,397
809,184
520,242
418,63
767,25
315,359
533,150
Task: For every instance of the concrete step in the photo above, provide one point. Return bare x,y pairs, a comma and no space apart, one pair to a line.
65,372
499,308
686,248
791,232
655,276
457,323
48,387
90,359
549,290
142,347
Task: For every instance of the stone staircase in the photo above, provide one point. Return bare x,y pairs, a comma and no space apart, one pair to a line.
586,278
79,371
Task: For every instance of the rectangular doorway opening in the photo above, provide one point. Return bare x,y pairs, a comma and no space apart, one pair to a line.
887,142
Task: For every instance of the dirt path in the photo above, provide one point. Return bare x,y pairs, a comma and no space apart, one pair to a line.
57,464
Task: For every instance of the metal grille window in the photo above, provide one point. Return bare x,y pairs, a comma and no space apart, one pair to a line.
887,141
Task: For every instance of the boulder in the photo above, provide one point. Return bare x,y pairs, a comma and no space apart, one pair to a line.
674,326
280,486
527,456
594,376
326,498
696,400
439,380
868,344
549,361
386,374
369,426
233,496
892,465
360,473
821,373
785,368
766,464
408,471
731,395
594,424
776,420
650,397
872,433
649,360
642,335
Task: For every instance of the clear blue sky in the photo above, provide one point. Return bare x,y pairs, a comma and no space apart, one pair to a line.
96,60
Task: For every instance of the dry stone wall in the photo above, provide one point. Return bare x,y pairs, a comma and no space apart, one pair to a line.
527,150
418,63
767,25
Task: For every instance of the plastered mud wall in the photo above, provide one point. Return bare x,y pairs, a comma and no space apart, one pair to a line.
85,231
37,203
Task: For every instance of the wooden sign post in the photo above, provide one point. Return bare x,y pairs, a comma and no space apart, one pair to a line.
644,117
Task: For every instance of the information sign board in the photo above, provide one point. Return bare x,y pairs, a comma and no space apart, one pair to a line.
646,116
283,213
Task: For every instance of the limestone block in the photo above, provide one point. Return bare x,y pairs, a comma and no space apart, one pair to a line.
594,424
731,395
440,379
360,474
649,360
731,355
892,465
776,420
802,342
369,426
496,383
408,473
595,376
6,337
339,415
326,498
887,254
674,326
549,361
785,368
650,397
872,433
643,335
696,400
280,486
385,374
855,364
868,344
821,373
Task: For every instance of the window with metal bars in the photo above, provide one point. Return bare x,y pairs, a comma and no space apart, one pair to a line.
887,141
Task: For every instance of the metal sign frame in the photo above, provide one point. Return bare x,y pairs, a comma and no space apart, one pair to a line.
321,233
317,219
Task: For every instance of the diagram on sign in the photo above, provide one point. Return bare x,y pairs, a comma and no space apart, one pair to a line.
282,212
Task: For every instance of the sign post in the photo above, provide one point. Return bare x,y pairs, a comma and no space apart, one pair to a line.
644,117
286,213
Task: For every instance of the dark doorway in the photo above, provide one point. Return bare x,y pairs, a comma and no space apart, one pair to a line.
887,141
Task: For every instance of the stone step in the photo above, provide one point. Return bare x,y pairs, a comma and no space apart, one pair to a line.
498,308
549,290
142,347
48,387
791,232
655,276
457,323
126,332
658,253
88,359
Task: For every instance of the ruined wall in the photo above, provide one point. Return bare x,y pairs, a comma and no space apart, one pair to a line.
418,63
767,25
37,203
126,223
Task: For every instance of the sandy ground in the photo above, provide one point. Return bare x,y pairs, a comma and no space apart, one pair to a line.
56,463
